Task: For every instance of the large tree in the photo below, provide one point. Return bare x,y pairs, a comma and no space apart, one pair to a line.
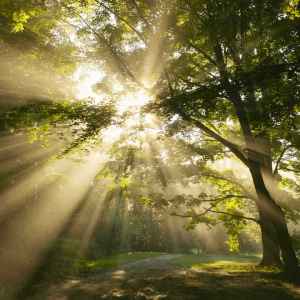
227,68
217,62
242,87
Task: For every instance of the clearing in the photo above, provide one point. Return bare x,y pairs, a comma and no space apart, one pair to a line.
158,278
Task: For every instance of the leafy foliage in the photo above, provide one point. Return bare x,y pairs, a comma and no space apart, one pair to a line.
78,123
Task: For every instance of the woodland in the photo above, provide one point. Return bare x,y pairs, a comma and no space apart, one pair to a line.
185,136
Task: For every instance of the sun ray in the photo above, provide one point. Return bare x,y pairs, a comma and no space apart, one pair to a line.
42,210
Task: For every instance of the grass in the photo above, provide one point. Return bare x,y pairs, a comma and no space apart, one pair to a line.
69,258
114,260
230,262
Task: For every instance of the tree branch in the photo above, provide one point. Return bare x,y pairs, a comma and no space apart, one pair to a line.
234,215
209,210
141,14
169,82
214,135
248,194
193,10
113,52
214,127
227,197
280,158
287,169
176,28
122,19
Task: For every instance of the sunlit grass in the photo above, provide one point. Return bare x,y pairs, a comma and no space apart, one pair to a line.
229,263
202,258
250,267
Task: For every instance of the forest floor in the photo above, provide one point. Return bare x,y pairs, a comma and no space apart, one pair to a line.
157,278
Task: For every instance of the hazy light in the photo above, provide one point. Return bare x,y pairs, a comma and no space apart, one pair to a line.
85,85
112,133
137,99
148,118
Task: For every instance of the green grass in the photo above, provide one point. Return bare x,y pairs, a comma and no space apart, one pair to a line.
231,262
114,260
70,258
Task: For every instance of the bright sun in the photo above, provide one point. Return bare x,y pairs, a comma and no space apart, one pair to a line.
137,99
125,101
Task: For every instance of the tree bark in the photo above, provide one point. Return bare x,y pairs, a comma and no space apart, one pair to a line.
271,251
288,254
273,214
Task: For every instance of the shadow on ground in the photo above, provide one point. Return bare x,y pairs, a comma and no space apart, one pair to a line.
158,279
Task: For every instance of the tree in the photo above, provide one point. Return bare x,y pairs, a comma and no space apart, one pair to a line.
252,103
227,72
208,74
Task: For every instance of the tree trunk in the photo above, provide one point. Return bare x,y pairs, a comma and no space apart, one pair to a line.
288,254
272,213
271,251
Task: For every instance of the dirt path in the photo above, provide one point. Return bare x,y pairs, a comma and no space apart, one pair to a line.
157,278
